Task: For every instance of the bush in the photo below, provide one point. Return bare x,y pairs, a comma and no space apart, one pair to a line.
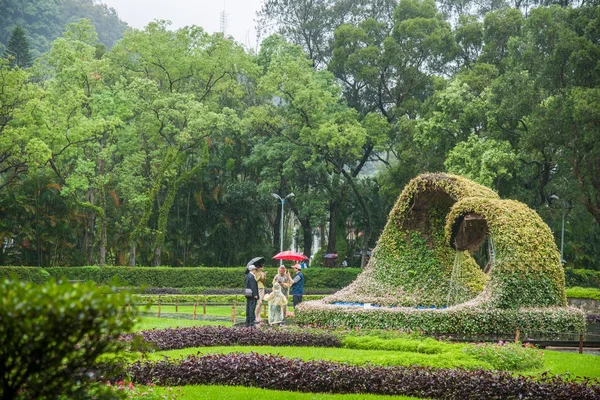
274,372
424,346
27,274
506,356
582,277
168,277
583,293
210,299
202,336
51,336
466,320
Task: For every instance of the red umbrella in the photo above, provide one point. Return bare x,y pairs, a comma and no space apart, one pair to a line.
290,255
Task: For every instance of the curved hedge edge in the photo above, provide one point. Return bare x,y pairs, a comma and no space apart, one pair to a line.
453,320
280,373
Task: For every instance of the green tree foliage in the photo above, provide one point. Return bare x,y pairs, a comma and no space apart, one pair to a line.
52,335
17,49
45,20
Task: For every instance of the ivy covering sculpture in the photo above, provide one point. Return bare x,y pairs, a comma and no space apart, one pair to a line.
422,274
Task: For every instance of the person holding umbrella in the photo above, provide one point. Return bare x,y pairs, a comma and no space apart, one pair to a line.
251,294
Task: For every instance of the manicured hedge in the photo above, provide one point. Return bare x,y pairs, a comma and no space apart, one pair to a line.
582,277
458,320
202,336
213,298
26,274
196,277
279,373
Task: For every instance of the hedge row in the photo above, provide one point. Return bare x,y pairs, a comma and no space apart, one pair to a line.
203,336
582,277
279,373
168,277
214,298
464,320
26,274
216,291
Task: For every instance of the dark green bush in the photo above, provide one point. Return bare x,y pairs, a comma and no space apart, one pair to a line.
316,278
582,277
51,336
27,274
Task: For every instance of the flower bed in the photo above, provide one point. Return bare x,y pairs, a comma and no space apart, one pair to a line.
274,372
201,336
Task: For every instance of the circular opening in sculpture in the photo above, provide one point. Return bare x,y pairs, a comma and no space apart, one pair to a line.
470,233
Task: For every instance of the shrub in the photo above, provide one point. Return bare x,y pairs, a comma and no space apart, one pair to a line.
201,336
582,277
51,336
461,320
27,274
274,372
168,277
506,356
424,346
583,293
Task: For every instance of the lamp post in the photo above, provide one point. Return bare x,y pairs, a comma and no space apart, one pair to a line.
281,226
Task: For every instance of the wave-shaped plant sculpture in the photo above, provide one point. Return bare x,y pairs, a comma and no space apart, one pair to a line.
422,274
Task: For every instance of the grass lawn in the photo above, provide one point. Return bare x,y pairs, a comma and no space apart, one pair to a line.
244,393
146,323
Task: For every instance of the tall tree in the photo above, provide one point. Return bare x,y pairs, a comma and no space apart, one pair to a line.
17,48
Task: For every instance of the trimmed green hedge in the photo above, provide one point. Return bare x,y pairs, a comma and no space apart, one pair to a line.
582,277
196,277
463,320
26,274
210,299
583,293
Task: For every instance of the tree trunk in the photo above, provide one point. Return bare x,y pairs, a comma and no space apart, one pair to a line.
363,205
91,229
132,255
331,240
307,236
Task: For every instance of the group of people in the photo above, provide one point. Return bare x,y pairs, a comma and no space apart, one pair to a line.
277,300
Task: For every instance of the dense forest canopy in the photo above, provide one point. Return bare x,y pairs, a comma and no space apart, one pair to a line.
45,20
165,148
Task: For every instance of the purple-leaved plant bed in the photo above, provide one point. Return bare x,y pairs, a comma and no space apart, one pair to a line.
202,336
279,373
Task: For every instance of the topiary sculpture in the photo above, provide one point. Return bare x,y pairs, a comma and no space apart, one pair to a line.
422,274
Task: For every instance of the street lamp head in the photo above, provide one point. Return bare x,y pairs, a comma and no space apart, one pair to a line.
554,197
276,196
289,195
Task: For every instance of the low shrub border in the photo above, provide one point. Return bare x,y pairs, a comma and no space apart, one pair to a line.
583,293
279,373
202,336
26,274
214,299
316,278
454,320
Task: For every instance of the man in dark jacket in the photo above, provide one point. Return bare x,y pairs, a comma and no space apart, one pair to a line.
251,296
298,285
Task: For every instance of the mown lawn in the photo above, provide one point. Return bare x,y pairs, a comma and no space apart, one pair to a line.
146,323
245,393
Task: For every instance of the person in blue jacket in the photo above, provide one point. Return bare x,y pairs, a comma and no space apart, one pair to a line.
297,285
251,293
